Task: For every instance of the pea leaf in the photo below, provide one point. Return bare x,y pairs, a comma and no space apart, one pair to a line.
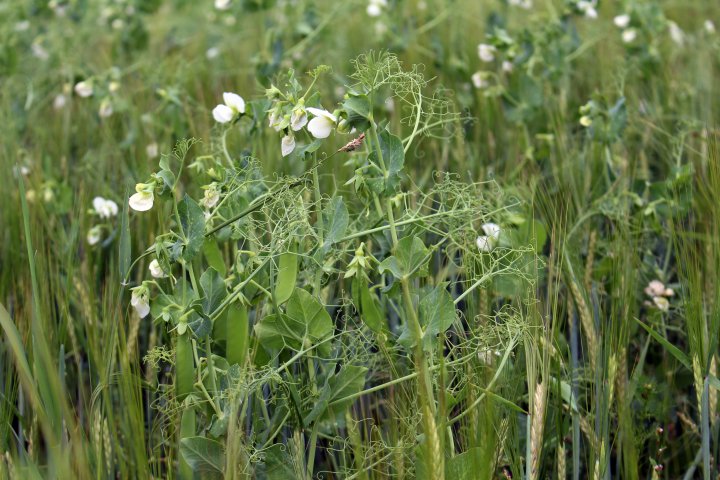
337,222
192,223
214,289
333,397
307,310
394,158
357,108
305,319
437,314
203,454
410,259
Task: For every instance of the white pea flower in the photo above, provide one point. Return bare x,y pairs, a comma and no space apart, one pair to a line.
211,196
234,104
321,126
526,4
676,33
222,4
140,300
588,8
152,150
22,25
480,80
222,114
84,88
658,289
274,119
661,303
298,118
118,24
486,52
586,121
622,21
39,51
143,200
287,145
105,208
59,101
488,241
507,66
156,270
212,52
629,35
374,10
21,170
94,235
106,108
709,26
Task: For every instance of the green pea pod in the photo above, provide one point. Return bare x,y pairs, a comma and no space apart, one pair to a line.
214,257
184,366
369,309
236,333
286,277
187,430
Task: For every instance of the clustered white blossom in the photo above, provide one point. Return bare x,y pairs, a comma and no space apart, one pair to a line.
233,105
623,21
319,126
105,208
659,294
588,8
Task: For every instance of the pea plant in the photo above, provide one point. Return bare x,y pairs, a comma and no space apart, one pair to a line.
300,305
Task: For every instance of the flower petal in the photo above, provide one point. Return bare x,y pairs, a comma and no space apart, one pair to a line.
320,127
484,243
234,101
287,145
491,230
141,201
319,112
223,114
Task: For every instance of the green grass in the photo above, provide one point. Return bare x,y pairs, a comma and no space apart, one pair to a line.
329,314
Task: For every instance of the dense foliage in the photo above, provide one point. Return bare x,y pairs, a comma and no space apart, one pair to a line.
365,239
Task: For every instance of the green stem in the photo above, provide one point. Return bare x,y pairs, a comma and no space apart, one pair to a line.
224,147
318,201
